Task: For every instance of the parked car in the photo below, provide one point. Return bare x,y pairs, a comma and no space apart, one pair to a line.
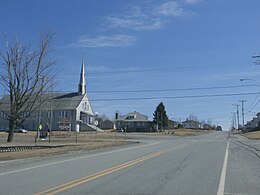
20,130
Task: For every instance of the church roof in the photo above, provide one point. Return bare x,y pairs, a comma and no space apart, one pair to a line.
55,101
64,101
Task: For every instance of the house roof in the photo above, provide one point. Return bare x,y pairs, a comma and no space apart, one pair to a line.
133,116
191,121
55,101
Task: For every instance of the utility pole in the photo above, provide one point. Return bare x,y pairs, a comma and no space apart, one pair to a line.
161,122
243,114
40,113
157,125
234,119
233,123
237,115
51,113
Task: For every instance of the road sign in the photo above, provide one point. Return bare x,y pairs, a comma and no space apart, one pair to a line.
64,124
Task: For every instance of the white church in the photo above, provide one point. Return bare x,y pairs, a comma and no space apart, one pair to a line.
62,111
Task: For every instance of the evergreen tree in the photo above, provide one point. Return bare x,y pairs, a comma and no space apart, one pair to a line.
160,117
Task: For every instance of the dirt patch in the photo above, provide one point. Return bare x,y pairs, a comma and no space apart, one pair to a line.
252,135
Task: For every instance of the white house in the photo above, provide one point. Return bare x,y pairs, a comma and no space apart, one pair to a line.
254,123
134,122
191,124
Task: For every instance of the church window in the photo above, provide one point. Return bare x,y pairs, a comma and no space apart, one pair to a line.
63,114
1,114
49,114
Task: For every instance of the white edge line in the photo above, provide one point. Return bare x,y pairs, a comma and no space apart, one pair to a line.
94,155
221,187
9,161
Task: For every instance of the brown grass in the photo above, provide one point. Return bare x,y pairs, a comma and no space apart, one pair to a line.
252,135
180,132
63,134
187,132
85,141
60,150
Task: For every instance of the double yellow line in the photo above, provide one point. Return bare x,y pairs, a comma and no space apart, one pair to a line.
85,179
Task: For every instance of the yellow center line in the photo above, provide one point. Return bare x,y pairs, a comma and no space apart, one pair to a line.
85,179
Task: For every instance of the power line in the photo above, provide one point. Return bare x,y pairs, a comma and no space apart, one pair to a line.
177,97
253,106
165,90
253,102
167,97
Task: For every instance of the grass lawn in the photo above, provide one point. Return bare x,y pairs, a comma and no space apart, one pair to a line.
70,142
252,135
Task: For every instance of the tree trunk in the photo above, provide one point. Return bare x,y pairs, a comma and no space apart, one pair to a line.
11,130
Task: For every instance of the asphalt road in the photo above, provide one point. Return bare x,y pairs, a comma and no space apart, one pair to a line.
214,163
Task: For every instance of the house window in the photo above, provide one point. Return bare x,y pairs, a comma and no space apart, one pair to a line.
140,124
130,117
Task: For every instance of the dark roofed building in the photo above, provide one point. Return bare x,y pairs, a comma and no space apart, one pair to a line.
134,122
60,111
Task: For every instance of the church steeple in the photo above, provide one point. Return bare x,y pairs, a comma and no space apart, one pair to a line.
82,82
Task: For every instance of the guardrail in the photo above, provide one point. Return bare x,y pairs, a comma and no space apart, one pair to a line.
23,148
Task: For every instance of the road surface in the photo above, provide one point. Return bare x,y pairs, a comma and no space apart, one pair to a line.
214,163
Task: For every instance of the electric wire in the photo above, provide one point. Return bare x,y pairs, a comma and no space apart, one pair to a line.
167,97
178,97
163,90
252,104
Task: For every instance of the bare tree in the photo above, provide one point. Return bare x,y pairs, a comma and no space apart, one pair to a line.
193,117
26,77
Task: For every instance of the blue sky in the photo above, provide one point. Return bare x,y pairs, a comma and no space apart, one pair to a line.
147,45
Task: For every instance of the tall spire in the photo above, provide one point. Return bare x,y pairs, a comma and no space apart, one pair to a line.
82,82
